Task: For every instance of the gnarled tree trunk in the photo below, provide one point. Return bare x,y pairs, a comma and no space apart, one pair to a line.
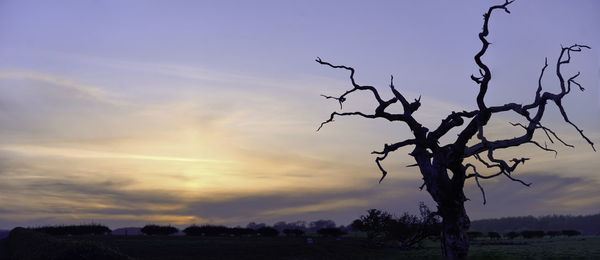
447,192
455,224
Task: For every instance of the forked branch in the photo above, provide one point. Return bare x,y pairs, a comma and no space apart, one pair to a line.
429,153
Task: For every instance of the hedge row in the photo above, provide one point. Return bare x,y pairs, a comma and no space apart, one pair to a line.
23,243
90,229
209,230
525,234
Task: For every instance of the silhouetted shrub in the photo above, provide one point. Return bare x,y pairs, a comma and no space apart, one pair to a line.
330,232
532,233
282,225
571,233
512,235
494,235
255,226
376,224
192,230
406,231
357,225
90,229
267,232
27,244
345,228
206,230
403,227
293,232
239,231
587,225
474,234
319,224
159,230
553,233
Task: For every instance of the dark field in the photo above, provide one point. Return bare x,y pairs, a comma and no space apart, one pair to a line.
181,247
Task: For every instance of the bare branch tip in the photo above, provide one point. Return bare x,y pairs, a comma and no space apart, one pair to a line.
384,173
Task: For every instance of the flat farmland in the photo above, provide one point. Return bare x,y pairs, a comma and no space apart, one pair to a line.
144,247
182,247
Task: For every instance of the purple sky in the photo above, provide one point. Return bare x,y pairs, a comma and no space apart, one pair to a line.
130,112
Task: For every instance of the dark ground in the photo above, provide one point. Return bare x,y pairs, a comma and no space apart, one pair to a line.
179,248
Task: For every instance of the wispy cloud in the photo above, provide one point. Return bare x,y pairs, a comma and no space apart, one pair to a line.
81,90
550,193
31,150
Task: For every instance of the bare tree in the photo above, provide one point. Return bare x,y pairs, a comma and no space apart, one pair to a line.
435,161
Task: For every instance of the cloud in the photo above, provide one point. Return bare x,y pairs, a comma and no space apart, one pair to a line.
341,204
33,150
62,199
71,194
77,193
550,193
81,90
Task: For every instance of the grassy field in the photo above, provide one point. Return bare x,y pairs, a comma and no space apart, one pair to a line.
145,247
547,248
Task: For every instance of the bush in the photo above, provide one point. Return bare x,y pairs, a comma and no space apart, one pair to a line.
206,230
28,244
403,227
532,233
376,224
255,226
159,230
474,234
330,232
494,235
319,224
571,233
512,235
300,225
406,231
293,232
89,229
267,232
239,231
553,233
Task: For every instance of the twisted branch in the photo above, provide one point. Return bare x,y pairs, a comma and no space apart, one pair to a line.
386,150
477,175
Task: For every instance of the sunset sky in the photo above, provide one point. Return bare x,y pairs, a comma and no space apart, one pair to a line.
179,112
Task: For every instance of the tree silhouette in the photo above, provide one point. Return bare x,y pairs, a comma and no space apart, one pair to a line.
435,161
159,230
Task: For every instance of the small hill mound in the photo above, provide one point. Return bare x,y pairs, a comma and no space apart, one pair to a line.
22,243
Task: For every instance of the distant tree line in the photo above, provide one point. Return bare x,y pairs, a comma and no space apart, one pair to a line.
527,234
263,230
212,231
325,228
159,230
587,225
379,226
74,230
